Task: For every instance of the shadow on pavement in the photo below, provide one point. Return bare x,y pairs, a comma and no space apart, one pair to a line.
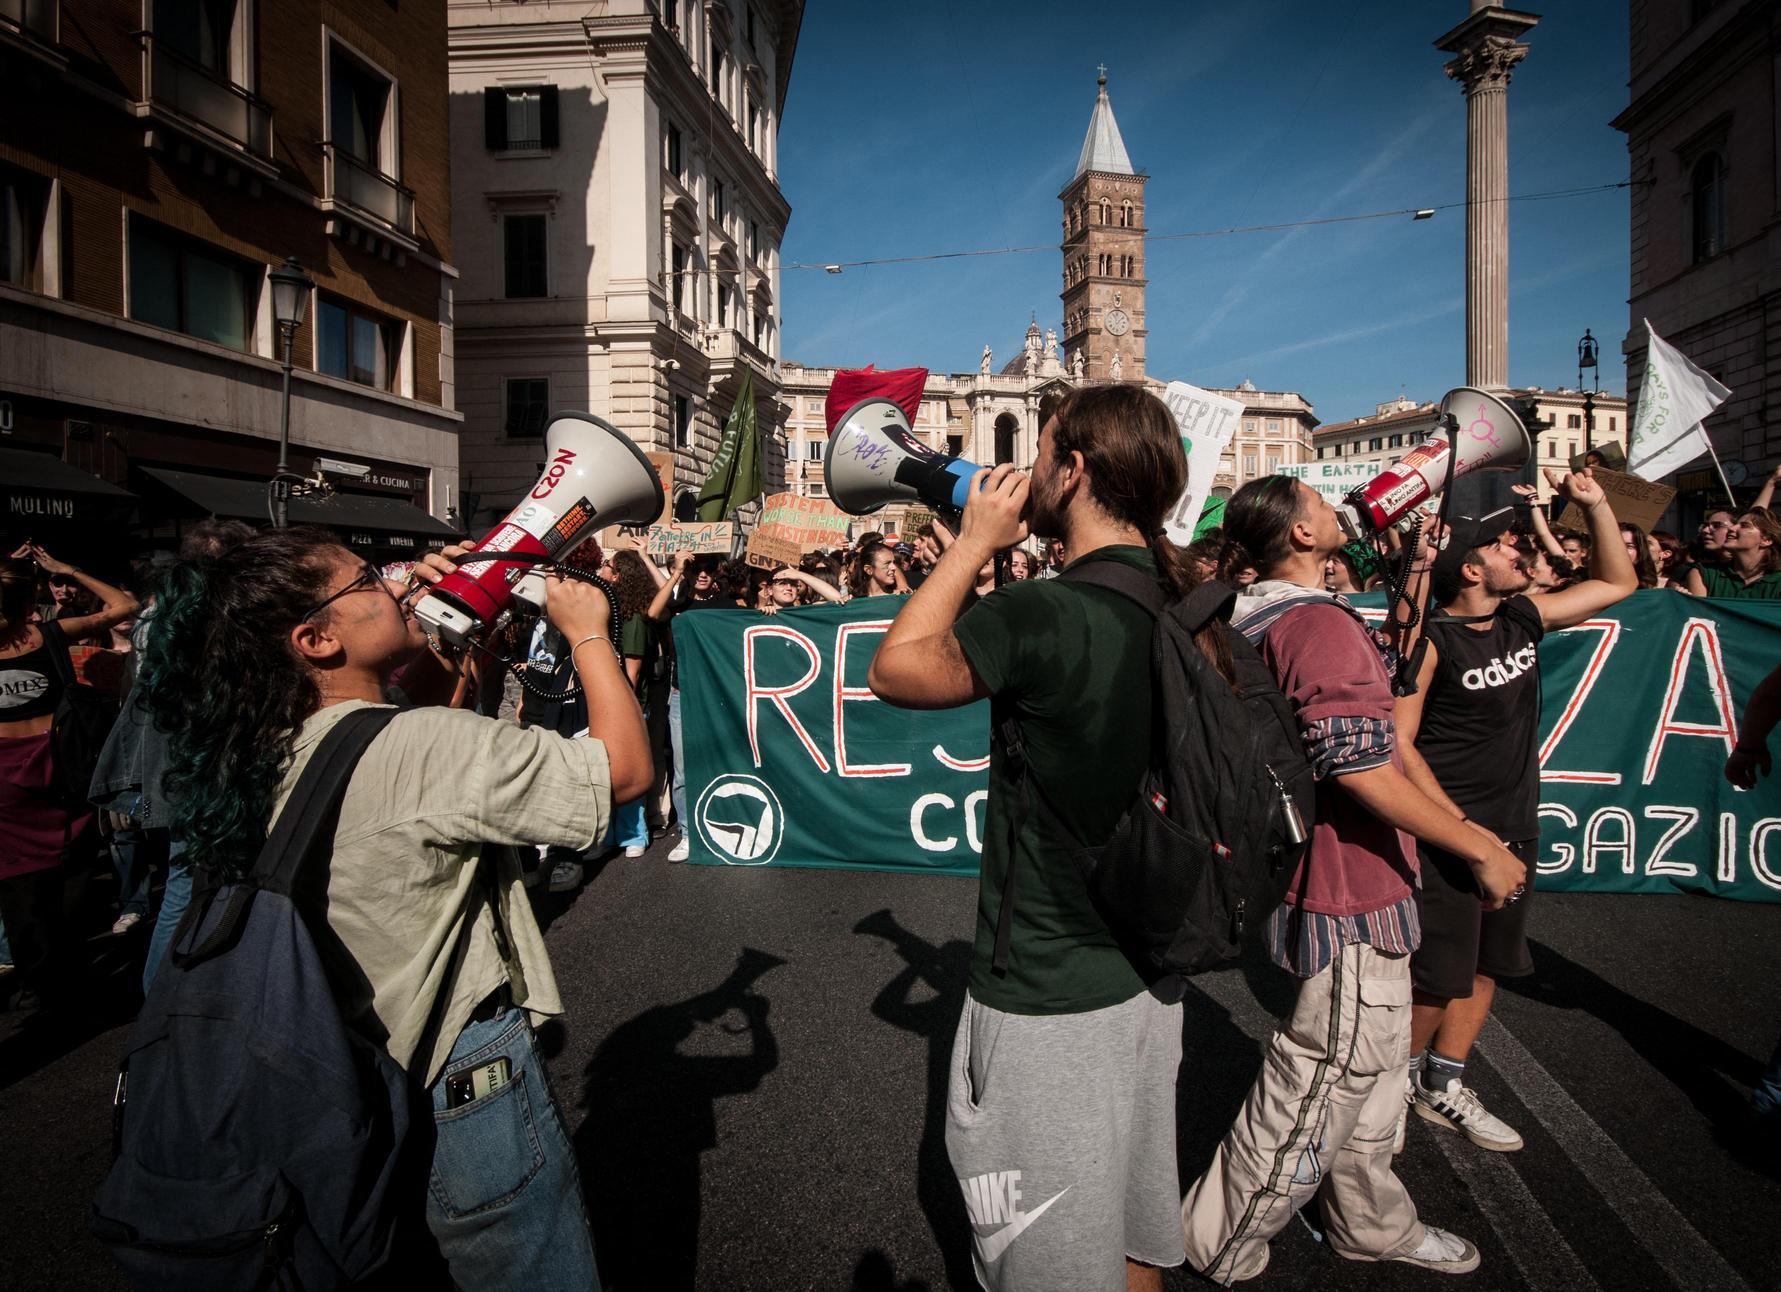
649,1095
875,1273
943,970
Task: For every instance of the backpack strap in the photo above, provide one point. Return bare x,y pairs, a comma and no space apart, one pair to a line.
1116,576
57,641
304,826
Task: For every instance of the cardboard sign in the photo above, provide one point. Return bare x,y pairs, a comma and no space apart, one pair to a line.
1635,502
814,522
771,550
664,465
660,542
1334,480
1207,423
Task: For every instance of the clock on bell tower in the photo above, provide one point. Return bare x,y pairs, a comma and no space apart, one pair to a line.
1104,253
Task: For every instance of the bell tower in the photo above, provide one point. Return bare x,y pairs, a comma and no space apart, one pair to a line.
1104,254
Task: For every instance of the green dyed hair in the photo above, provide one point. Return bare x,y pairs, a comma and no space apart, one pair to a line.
222,681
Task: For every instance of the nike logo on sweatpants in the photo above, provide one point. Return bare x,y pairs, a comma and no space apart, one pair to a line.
994,1198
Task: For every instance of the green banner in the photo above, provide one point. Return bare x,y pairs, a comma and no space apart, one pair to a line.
790,761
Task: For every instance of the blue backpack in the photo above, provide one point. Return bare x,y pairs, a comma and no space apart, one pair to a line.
257,1135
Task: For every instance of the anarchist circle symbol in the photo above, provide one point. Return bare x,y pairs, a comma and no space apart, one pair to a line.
741,820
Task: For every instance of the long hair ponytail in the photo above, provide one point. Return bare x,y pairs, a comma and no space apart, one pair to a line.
224,684
1131,450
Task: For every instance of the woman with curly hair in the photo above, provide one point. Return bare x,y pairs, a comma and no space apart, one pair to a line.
257,653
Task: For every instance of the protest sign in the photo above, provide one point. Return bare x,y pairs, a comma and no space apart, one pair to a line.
770,550
1207,423
811,522
660,542
785,745
1635,502
1334,480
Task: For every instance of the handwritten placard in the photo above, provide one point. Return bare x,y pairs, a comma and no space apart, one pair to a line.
660,542
1635,502
771,550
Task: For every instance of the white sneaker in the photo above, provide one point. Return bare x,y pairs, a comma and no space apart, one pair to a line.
1442,1252
635,850
1457,1108
680,851
125,922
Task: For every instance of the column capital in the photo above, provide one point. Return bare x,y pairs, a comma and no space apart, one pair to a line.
1486,63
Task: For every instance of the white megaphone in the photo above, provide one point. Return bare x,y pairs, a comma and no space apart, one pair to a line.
593,477
874,459
1490,437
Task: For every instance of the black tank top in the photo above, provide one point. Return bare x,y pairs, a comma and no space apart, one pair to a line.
31,684
1480,719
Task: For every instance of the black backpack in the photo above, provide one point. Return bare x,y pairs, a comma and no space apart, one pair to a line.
257,1135
1210,843
82,723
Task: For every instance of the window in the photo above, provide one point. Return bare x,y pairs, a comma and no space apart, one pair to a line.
528,405
1320,455
1397,441
675,166
199,30
352,344
24,202
358,104
748,24
1273,464
1706,207
520,118
1249,426
523,236
1375,444
724,293
677,262
816,449
1573,421
754,125
188,287
1249,465
1273,426
754,241
717,199
683,421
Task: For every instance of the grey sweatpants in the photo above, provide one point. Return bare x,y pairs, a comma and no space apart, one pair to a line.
1061,1130
1319,1120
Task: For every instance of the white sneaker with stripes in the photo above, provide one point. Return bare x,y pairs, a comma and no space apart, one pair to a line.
1458,1108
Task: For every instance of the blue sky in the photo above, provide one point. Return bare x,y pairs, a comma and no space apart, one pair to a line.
953,125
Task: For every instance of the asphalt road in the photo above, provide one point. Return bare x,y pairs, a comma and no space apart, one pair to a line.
753,1067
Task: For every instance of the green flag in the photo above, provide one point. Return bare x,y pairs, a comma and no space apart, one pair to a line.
1211,517
735,479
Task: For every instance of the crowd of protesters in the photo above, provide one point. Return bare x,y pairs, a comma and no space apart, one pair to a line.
228,663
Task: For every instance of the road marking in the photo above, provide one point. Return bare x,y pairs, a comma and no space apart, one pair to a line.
1535,1247
1652,1219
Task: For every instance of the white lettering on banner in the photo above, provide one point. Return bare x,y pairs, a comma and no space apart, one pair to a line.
1705,633
960,764
1566,854
777,696
973,832
844,693
1659,863
1610,630
1207,423
1728,845
1334,480
920,835
1594,845
1759,852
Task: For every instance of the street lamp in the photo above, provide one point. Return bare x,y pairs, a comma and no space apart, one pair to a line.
1586,358
290,300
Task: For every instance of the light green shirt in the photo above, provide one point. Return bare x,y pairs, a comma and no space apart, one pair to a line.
430,790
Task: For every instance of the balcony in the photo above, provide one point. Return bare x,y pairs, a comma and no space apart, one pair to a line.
363,194
201,103
31,26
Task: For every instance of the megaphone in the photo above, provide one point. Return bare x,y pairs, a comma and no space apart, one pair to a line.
1489,435
874,459
594,476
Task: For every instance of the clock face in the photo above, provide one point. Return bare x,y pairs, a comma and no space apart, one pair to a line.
1117,322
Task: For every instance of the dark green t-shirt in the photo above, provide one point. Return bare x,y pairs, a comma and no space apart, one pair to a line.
1072,664
1722,582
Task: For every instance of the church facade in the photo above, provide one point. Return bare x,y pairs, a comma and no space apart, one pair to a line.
991,415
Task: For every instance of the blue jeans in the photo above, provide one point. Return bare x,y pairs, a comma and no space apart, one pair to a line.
132,853
628,829
504,1198
175,897
677,788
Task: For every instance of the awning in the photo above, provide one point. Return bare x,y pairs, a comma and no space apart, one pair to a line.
42,486
364,519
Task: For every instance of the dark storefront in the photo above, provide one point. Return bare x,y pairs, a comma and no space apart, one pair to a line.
75,515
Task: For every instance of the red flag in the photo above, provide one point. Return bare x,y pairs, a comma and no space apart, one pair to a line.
902,386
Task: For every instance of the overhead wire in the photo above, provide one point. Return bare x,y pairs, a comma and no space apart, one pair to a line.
1051,247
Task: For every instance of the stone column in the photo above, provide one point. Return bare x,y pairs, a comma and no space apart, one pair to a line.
1485,48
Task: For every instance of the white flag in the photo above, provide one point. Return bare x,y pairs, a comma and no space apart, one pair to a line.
1208,423
1674,398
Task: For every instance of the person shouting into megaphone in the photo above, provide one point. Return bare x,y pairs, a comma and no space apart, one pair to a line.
255,655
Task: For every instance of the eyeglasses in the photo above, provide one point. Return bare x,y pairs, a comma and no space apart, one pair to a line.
369,577
1717,524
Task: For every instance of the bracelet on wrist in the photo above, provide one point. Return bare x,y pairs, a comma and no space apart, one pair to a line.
593,637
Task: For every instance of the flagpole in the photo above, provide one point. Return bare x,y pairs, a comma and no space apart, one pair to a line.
1714,454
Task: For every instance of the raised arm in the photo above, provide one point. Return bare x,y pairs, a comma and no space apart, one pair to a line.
822,587
1767,492
115,605
1542,531
1611,578
658,607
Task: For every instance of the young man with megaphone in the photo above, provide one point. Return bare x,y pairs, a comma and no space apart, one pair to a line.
1469,734
1061,1108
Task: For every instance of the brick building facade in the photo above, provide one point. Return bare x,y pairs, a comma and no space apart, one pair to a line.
1702,136
150,179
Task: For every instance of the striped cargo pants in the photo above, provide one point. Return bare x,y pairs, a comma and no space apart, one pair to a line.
1319,1120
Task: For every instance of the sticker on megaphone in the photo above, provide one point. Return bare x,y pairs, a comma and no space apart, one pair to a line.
874,459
